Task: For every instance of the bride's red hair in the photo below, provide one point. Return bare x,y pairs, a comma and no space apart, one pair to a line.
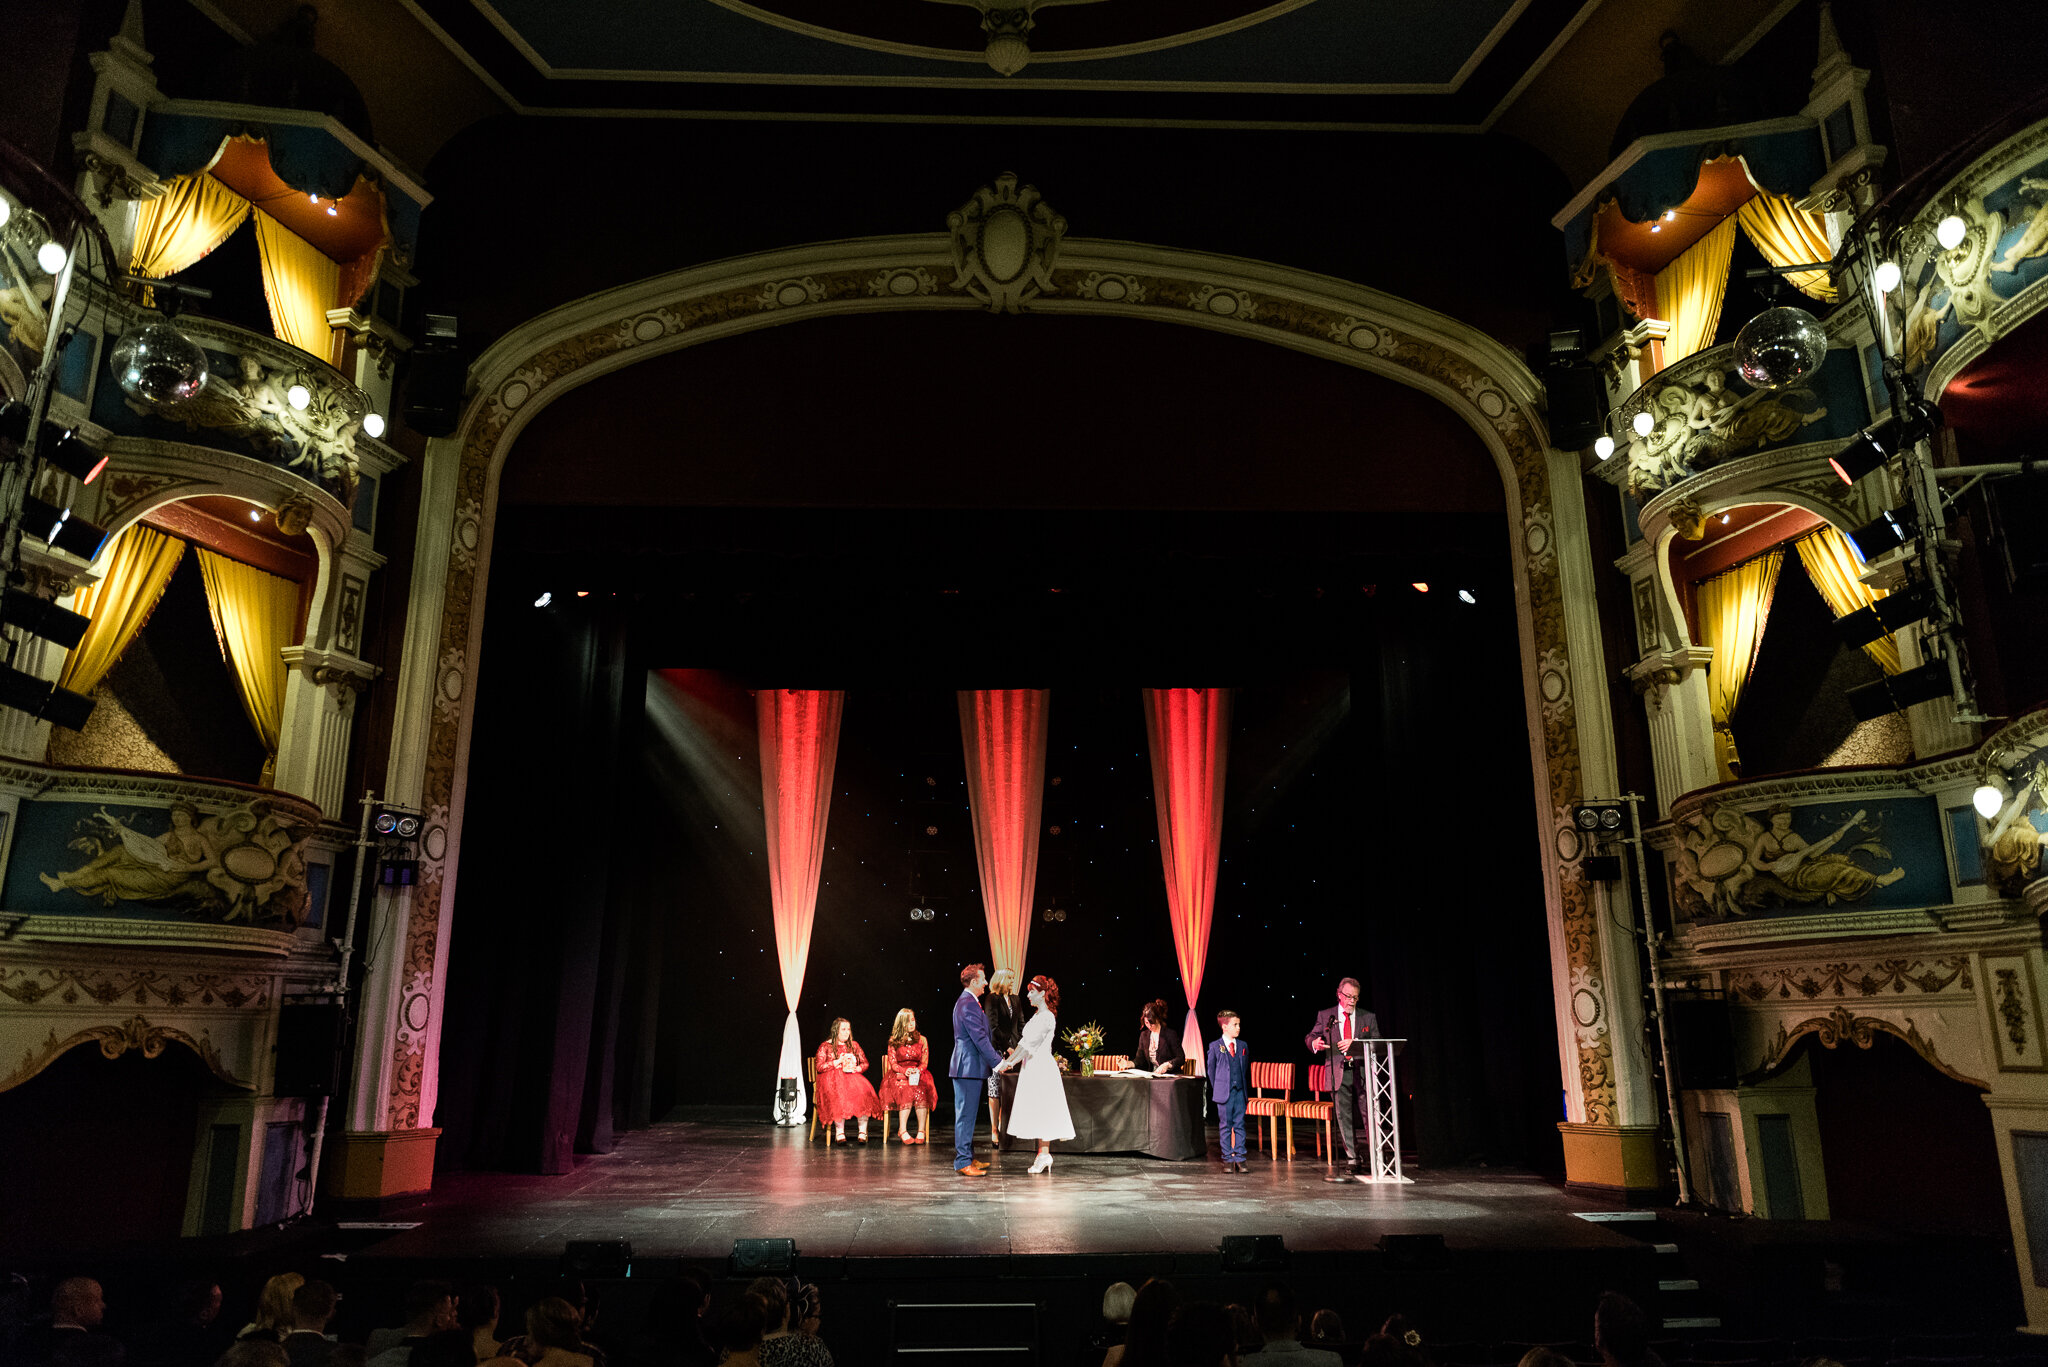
1041,983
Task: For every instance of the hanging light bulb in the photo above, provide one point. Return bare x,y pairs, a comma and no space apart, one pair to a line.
1887,276
1989,799
373,424
1644,423
51,256
298,396
1951,231
6,212
1603,446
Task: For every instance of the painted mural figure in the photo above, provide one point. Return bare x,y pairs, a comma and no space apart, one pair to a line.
1726,864
141,868
1805,872
2034,240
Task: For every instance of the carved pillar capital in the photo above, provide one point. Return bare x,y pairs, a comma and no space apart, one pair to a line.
1666,667
345,675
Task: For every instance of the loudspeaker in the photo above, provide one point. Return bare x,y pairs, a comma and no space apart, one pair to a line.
1410,1252
434,380
1601,868
1578,405
309,1037
1253,1253
591,1260
756,1257
1702,1041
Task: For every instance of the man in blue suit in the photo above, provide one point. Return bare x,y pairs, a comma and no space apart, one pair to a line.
973,1056
1230,1071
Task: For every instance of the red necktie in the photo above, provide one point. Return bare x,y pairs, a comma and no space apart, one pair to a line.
1347,1027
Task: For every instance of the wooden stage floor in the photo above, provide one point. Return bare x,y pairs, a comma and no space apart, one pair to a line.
687,1188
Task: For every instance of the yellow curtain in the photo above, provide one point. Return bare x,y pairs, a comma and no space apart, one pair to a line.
1788,236
1689,291
301,286
1832,567
174,230
1733,607
253,615
138,565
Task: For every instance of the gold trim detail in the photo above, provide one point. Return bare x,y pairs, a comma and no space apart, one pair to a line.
1843,1024
115,1040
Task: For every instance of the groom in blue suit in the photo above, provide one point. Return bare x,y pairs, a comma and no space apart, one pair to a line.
973,1056
1230,1071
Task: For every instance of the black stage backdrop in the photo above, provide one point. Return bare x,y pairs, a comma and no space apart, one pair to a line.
613,953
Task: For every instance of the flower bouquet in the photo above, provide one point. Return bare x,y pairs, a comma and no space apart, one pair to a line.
1086,1042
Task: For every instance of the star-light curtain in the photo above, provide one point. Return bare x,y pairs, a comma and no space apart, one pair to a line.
1189,733
1003,733
799,743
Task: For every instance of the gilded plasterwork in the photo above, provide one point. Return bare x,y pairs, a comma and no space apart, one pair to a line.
1808,981
135,1033
1843,1025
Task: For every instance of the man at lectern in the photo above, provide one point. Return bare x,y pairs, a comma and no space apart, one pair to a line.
1339,1036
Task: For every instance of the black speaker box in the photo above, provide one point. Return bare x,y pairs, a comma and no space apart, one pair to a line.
434,381
595,1260
309,1039
1601,868
1253,1252
1702,1041
1578,405
758,1257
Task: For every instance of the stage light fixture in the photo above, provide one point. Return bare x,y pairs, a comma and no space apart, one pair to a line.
40,698
1951,231
1886,615
1990,797
41,617
1603,447
393,823
373,424
72,535
51,256
1419,586
1863,454
1643,423
70,453
1606,818
1466,596
1885,532
1887,277
1895,692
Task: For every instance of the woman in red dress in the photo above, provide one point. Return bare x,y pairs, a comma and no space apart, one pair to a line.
842,1092
907,1079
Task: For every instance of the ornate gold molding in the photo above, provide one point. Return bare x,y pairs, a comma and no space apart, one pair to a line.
1809,981
115,1040
1843,1024
30,986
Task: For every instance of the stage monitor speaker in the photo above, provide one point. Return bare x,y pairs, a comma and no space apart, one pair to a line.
1254,1253
1578,405
309,1039
755,1257
1601,868
597,1259
1413,1252
1703,1041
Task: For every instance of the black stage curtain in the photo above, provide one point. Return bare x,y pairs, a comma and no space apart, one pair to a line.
548,984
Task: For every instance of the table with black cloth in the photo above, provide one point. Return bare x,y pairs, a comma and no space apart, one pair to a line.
1160,1116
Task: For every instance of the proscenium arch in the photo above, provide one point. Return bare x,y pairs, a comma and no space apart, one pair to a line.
1489,387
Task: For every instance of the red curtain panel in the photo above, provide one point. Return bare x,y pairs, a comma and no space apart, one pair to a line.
1003,732
1189,733
799,742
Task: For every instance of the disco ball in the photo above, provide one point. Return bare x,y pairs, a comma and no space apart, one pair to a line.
159,364
1779,347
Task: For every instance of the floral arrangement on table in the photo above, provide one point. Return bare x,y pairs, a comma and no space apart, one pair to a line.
1086,1042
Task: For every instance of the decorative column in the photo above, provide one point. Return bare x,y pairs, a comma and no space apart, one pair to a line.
1598,980
1673,686
319,713
2010,981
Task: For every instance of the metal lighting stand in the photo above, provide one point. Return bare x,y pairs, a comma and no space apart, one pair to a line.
1650,937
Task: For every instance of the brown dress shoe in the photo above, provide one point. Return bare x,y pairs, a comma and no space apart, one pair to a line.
973,1170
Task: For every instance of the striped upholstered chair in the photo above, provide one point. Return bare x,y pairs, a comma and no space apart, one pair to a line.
1318,1109
1272,1088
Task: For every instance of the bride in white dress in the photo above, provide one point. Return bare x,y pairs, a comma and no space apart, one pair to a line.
1039,1110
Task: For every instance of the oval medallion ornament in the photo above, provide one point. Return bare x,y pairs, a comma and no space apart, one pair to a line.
1224,304
792,293
418,1010
903,282
1005,245
647,329
248,862
1111,289
1365,338
435,842
515,393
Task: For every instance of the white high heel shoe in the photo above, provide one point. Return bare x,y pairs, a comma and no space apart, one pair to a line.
1044,1163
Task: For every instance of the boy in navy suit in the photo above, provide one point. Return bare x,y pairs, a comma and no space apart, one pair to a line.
1230,1070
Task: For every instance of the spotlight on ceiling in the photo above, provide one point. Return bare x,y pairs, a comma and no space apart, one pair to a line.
1989,799
255,514
1885,616
1598,816
60,446
1726,518
1887,277
1419,586
544,600
1604,447
1951,231
51,256
1879,442
299,397
1896,692
1643,423
40,698
373,424
1885,532
1466,596
72,535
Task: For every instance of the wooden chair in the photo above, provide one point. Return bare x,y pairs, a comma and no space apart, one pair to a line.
811,1077
1319,1108
1112,1063
1276,1078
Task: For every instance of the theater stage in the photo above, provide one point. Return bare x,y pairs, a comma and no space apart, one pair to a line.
687,1188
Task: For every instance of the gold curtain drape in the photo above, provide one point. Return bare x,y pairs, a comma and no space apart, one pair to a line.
138,566
301,286
1733,607
1833,568
1787,236
189,220
1690,289
253,615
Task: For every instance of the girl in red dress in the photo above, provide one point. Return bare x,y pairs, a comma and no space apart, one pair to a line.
907,1079
842,1092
